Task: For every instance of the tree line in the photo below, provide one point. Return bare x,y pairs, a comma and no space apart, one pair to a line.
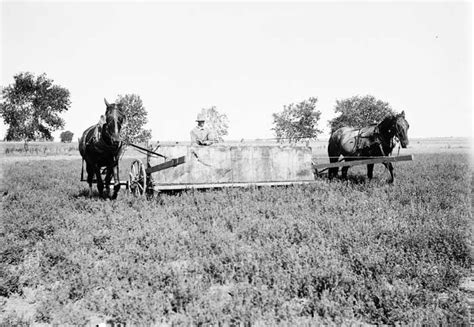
32,105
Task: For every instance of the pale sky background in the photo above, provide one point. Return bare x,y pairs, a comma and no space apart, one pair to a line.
247,59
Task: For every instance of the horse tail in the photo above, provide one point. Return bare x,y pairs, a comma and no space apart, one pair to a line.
82,148
334,151
334,147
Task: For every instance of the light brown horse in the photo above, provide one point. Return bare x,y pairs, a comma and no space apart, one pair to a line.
371,141
104,150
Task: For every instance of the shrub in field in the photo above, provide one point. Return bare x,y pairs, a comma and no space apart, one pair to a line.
359,111
216,123
327,253
297,121
66,136
136,118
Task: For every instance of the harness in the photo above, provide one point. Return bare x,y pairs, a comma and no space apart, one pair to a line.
86,143
378,140
99,145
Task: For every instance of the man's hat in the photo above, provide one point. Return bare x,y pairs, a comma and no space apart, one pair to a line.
200,117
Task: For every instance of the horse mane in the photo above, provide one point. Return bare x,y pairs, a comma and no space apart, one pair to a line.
386,123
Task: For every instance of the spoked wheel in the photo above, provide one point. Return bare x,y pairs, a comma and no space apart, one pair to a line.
137,178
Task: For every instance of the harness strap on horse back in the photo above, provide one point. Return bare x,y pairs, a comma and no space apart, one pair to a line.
375,135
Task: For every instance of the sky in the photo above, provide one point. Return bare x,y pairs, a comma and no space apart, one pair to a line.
248,59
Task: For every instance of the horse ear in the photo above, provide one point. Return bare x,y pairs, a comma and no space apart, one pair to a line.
403,113
106,103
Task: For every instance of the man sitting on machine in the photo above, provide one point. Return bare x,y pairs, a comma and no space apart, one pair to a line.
199,134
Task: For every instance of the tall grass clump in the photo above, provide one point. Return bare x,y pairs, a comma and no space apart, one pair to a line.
327,253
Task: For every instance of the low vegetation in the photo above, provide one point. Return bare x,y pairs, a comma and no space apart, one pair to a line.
10,149
330,252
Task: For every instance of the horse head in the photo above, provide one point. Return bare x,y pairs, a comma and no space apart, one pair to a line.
401,129
395,126
114,119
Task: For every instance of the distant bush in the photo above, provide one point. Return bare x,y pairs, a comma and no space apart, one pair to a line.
38,148
66,136
321,254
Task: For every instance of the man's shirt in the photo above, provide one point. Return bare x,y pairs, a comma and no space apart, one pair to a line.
199,135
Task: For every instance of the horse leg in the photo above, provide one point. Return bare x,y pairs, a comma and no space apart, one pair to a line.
370,171
107,179
115,172
390,169
344,172
90,177
332,172
333,157
100,183
345,169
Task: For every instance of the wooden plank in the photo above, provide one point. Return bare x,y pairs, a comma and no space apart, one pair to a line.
169,187
165,165
363,162
235,164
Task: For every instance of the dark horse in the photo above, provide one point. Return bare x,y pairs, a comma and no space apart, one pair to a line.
371,141
101,146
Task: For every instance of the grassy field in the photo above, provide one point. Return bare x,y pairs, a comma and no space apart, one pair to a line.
337,251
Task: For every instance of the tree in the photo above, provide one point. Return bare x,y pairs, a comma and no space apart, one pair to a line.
359,111
136,118
297,121
66,137
216,123
31,107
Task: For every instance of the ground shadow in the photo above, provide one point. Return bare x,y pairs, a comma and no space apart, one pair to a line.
351,178
84,194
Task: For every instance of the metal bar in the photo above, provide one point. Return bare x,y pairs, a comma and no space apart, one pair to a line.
148,151
167,164
170,187
363,162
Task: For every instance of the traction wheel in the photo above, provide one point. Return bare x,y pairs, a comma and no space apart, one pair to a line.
137,178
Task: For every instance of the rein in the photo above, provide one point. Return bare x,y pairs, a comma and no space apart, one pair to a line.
109,147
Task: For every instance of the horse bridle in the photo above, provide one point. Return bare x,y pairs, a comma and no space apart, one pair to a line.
115,121
397,130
